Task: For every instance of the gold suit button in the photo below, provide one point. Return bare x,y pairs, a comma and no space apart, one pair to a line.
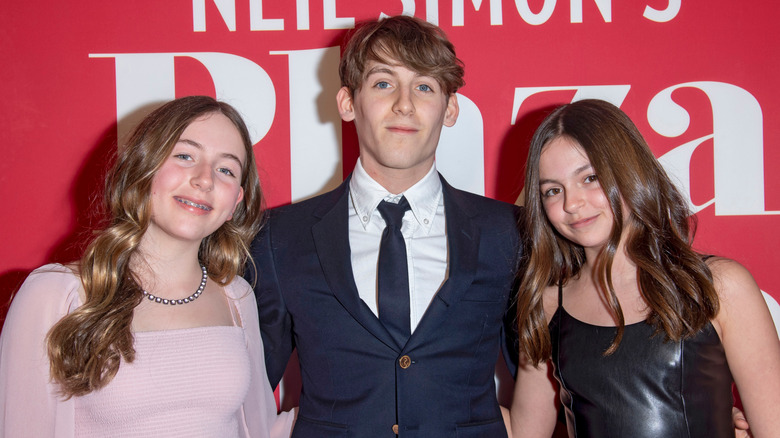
405,361
395,429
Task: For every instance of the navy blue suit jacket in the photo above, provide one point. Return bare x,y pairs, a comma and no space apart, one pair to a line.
355,381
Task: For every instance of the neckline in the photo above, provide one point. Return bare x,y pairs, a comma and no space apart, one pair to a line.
596,325
186,329
560,307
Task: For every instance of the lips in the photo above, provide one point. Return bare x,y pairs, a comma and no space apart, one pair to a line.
192,204
583,222
402,129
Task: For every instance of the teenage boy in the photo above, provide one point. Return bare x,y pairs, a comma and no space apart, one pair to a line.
397,331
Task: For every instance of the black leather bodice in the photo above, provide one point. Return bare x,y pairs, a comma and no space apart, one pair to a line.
650,387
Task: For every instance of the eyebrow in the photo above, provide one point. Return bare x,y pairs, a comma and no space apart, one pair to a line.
380,69
197,145
577,171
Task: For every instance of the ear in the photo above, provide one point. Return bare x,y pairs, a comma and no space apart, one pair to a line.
238,201
345,104
451,114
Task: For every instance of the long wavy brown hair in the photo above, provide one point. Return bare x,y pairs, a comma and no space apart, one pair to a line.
87,346
674,280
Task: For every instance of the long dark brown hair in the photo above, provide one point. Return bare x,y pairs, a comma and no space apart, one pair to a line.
86,347
674,280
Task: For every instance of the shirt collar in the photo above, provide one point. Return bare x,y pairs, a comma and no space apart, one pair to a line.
424,196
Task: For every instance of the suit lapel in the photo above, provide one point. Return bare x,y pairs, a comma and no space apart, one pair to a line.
331,238
463,244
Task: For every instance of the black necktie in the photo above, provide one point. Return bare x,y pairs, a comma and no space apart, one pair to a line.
393,274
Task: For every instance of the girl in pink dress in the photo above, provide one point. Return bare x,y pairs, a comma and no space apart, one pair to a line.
153,332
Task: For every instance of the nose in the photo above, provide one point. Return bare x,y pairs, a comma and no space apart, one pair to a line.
403,102
573,200
202,178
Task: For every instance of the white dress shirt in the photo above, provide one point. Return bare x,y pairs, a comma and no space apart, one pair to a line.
424,231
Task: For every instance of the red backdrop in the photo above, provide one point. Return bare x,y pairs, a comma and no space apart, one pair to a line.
698,77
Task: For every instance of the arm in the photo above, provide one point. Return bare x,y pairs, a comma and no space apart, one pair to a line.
29,403
259,410
533,412
275,322
509,339
509,336
750,340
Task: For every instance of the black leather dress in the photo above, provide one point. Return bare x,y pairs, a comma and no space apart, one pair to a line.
650,387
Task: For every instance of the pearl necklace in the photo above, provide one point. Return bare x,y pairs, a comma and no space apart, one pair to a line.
189,299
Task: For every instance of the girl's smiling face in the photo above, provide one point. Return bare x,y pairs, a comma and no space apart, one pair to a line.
571,195
198,186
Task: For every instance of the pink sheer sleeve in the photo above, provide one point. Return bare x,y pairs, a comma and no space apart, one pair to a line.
29,403
259,414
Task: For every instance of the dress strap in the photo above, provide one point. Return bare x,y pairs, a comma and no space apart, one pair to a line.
560,294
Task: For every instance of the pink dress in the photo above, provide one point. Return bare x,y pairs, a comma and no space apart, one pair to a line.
198,382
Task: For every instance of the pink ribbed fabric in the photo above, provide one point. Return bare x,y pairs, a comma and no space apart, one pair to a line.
199,382
183,383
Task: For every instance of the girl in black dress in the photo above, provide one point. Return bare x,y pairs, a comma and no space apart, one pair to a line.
641,332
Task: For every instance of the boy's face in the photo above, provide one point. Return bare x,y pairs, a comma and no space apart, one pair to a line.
398,115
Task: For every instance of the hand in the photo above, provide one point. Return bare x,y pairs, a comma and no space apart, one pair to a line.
741,426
